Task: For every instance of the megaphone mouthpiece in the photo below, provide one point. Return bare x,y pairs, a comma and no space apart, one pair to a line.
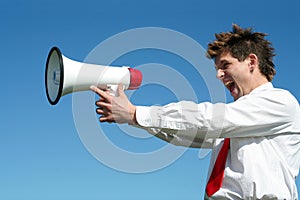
135,79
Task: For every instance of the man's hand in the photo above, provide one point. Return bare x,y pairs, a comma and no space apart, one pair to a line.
114,108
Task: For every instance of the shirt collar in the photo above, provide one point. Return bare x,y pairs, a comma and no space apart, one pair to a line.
262,87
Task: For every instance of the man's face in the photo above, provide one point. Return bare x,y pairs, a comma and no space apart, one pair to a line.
235,75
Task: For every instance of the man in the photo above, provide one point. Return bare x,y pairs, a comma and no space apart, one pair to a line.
255,140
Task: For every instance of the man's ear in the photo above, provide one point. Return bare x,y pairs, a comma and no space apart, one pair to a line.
253,64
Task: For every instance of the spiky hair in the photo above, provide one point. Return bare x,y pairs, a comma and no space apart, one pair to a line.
240,43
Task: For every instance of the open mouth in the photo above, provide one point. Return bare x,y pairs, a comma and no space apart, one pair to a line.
230,85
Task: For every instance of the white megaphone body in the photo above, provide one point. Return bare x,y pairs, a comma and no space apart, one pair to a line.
64,76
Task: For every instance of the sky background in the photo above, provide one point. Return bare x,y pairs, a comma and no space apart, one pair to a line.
42,155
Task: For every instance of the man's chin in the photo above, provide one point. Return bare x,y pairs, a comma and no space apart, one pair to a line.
235,96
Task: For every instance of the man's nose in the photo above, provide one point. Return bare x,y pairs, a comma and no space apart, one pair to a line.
220,73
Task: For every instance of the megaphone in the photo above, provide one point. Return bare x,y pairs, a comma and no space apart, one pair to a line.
64,76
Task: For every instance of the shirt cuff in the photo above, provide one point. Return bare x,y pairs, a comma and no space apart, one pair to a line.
144,118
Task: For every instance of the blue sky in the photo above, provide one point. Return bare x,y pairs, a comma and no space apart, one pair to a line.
43,156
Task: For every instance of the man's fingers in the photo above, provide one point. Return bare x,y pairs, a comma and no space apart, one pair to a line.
105,119
107,102
105,95
100,111
103,104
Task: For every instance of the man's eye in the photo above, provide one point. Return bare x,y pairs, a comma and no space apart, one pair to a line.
226,65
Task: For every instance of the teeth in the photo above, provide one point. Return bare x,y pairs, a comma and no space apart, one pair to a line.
228,83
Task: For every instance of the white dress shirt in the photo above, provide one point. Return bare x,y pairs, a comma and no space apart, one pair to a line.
264,131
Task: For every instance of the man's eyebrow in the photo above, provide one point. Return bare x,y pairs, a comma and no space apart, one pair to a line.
224,61
221,63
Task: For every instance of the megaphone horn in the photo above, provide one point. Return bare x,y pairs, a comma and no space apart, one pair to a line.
64,76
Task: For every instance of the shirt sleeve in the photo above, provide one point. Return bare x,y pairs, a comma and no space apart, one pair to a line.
189,124
176,123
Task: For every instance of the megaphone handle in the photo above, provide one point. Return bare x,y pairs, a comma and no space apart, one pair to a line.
112,89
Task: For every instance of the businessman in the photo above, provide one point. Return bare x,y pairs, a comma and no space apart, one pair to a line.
255,139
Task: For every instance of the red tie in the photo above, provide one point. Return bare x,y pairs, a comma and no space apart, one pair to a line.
215,180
